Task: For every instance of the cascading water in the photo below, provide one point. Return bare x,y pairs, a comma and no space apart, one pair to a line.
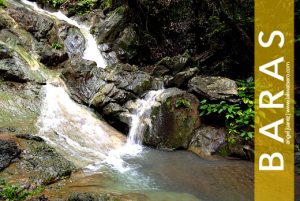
91,52
74,130
141,118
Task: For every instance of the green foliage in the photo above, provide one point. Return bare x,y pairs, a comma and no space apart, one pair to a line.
217,28
239,117
297,110
84,6
183,103
297,39
2,3
16,192
55,3
106,4
56,45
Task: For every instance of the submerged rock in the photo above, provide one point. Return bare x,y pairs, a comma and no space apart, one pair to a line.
214,88
173,120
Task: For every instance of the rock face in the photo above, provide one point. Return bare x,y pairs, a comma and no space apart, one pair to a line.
8,152
173,120
214,88
107,90
37,25
19,106
37,164
98,87
17,65
46,165
207,140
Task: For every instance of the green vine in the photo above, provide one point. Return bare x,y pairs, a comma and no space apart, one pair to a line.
239,117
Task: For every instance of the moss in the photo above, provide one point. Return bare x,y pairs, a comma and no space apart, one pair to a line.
224,151
2,3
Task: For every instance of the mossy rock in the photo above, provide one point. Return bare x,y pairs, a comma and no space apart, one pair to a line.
172,123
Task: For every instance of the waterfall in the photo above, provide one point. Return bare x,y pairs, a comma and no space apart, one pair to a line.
73,130
91,52
141,119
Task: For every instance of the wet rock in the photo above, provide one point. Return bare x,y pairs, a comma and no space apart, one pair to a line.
214,88
107,30
8,152
106,197
46,165
38,198
30,137
116,83
127,42
5,20
5,53
207,140
19,106
74,42
181,78
38,25
175,64
129,78
83,79
91,197
52,57
113,109
173,120
20,66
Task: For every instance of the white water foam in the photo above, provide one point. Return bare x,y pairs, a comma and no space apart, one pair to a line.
91,52
73,130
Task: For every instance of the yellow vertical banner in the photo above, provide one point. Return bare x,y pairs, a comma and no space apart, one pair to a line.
274,95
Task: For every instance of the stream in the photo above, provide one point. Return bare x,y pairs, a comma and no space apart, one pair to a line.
108,162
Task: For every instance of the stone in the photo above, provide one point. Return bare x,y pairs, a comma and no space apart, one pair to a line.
19,66
181,78
52,57
214,88
38,25
8,152
207,139
20,105
74,42
97,87
173,120
174,64
45,164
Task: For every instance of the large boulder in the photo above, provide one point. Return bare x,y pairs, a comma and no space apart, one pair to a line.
97,87
214,87
17,65
74,41
19,106
173,65
28,32
173,120
8,152
207,139
38,25
44,163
